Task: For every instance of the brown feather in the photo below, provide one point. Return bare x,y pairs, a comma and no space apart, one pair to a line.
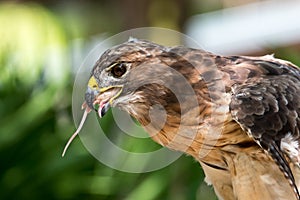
239,109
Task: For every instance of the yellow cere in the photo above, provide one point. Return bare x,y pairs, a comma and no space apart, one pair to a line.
93,83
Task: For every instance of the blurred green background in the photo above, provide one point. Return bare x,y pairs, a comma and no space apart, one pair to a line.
42,44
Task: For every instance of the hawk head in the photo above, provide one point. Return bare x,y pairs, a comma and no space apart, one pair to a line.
154,84
118,74
135,76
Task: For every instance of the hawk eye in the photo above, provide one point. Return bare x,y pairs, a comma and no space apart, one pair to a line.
118,70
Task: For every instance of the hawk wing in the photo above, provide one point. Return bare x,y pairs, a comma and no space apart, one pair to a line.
268,109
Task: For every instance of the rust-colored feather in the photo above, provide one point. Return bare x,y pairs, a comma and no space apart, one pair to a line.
239,116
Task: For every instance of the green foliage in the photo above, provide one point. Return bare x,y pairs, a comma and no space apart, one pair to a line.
36,121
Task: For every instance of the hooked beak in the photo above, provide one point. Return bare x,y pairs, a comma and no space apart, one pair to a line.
101,99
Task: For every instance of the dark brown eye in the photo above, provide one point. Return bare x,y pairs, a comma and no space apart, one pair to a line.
118,70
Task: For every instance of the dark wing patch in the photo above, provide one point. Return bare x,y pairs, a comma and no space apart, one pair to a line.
269,107
268,110
273,68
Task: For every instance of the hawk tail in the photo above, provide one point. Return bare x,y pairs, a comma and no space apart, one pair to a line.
283,165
